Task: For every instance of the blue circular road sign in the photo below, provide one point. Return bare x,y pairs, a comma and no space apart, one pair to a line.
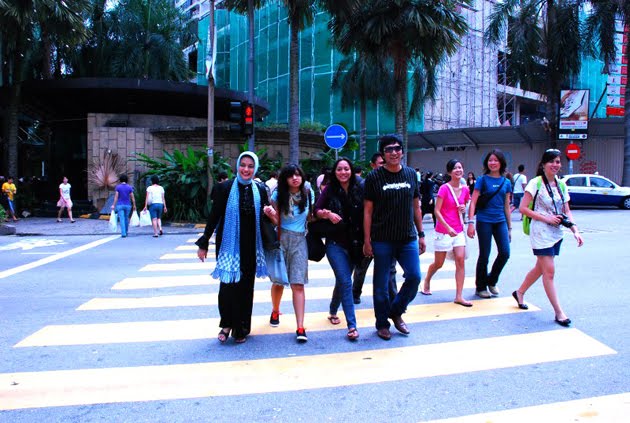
336,136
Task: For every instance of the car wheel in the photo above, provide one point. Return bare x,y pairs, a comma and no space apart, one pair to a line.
625,204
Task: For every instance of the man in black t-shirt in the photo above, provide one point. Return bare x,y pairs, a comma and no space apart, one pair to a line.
393,230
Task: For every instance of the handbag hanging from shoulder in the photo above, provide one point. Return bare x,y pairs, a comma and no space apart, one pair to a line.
450,254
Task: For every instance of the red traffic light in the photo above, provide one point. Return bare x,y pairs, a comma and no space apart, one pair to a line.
249,114
247,118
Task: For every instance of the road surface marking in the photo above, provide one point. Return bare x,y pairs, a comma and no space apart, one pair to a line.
247,377
172,330
605,409
55,257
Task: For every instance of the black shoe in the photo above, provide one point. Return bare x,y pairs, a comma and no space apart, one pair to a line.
400,325
522,306
357,300
300,335
384,334
274,320
565,322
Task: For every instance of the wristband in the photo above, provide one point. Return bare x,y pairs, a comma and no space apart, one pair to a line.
471,222
421,234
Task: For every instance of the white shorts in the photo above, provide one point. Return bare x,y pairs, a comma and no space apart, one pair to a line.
445,242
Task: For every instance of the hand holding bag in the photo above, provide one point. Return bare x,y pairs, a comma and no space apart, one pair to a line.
113,222
135,219
145,218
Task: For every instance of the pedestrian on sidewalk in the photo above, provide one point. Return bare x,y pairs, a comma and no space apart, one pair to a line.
392,225
65,202
8,193
156,203
520,182
550,212
235,217
124,204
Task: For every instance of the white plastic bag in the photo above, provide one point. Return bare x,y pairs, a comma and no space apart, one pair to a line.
113,222
145,218
135,219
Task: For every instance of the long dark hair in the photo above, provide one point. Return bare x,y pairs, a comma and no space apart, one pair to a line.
500,156
354,193
548,156
283,188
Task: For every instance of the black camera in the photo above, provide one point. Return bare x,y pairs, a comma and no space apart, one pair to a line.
565,221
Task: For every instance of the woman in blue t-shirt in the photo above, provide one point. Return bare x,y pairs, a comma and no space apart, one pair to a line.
490,205
292,202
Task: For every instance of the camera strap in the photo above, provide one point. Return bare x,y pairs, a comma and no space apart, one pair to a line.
550,191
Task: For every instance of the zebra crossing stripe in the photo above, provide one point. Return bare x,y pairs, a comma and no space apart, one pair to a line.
235,378
172,330
151,282
604,409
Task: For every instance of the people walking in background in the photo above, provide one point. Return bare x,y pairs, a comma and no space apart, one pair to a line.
427,195
490,205
551,212
392,224
272,182
360,270
450,206
156,204
65,202
292,202
235,217
520,182
470,182
342,204
8,192
124,204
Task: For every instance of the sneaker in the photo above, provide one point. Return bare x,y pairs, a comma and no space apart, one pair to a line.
300,335
494,291
274,320
483,294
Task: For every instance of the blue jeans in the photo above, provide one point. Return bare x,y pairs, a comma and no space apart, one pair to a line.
342,266
408,256
124,213
485,233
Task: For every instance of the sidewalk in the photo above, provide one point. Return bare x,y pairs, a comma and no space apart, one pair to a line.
47,226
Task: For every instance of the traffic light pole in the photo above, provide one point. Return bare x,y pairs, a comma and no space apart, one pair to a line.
250,65
210,76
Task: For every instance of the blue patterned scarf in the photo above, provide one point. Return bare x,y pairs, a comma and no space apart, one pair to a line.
228,269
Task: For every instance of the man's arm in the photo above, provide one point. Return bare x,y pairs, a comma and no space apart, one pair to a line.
417,218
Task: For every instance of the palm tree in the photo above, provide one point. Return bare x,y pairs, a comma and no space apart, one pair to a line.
361,78
540,32
248,6
601,27
147,39
407,32
24,26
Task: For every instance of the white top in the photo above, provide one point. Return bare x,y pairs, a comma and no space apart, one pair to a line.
520,182
541,234
155,194
272,183
65,191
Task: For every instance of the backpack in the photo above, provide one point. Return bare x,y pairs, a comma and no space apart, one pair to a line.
527,221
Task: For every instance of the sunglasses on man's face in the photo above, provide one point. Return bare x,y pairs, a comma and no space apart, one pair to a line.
393,148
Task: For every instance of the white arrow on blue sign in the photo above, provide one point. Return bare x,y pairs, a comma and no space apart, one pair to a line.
336,136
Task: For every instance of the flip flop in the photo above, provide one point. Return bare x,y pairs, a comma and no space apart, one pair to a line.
353,334
223,336
426,293
465,304
334,320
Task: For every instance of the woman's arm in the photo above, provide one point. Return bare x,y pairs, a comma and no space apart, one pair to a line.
471,214
163,200
574,228
146,200
439,202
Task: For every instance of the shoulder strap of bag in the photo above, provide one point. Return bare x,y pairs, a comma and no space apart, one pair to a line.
461,218
497,190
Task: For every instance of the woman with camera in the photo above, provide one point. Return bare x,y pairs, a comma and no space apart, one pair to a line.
550,211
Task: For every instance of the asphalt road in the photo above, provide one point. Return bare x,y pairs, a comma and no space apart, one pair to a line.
94,327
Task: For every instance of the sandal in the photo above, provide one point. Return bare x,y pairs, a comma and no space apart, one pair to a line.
353,334
334,319
240,340
223,336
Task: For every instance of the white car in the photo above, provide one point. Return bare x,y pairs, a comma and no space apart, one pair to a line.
595,190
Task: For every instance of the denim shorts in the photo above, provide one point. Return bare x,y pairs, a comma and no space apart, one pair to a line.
293,245
549,251
156,210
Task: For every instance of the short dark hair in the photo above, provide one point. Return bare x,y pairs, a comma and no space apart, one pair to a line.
386,140
450,165
155,179
500,157
222,175
521,168
375,157
123,178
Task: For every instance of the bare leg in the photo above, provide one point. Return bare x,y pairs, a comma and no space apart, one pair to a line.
531,277
548,273
154,223
70,214
460,263
59,214
437,264
298,303
276,296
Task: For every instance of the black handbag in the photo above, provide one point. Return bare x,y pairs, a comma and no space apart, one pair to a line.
484,198
316,247
268,234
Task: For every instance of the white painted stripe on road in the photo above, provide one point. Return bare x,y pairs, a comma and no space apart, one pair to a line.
246,377
187,248
150,282
175,330
58,256
604,409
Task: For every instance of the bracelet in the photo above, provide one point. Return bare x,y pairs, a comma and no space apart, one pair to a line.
471,222
421,234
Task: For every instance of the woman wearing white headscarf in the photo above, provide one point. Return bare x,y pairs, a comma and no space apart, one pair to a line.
235,216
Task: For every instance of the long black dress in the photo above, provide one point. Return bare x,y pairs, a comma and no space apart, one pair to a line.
236,299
